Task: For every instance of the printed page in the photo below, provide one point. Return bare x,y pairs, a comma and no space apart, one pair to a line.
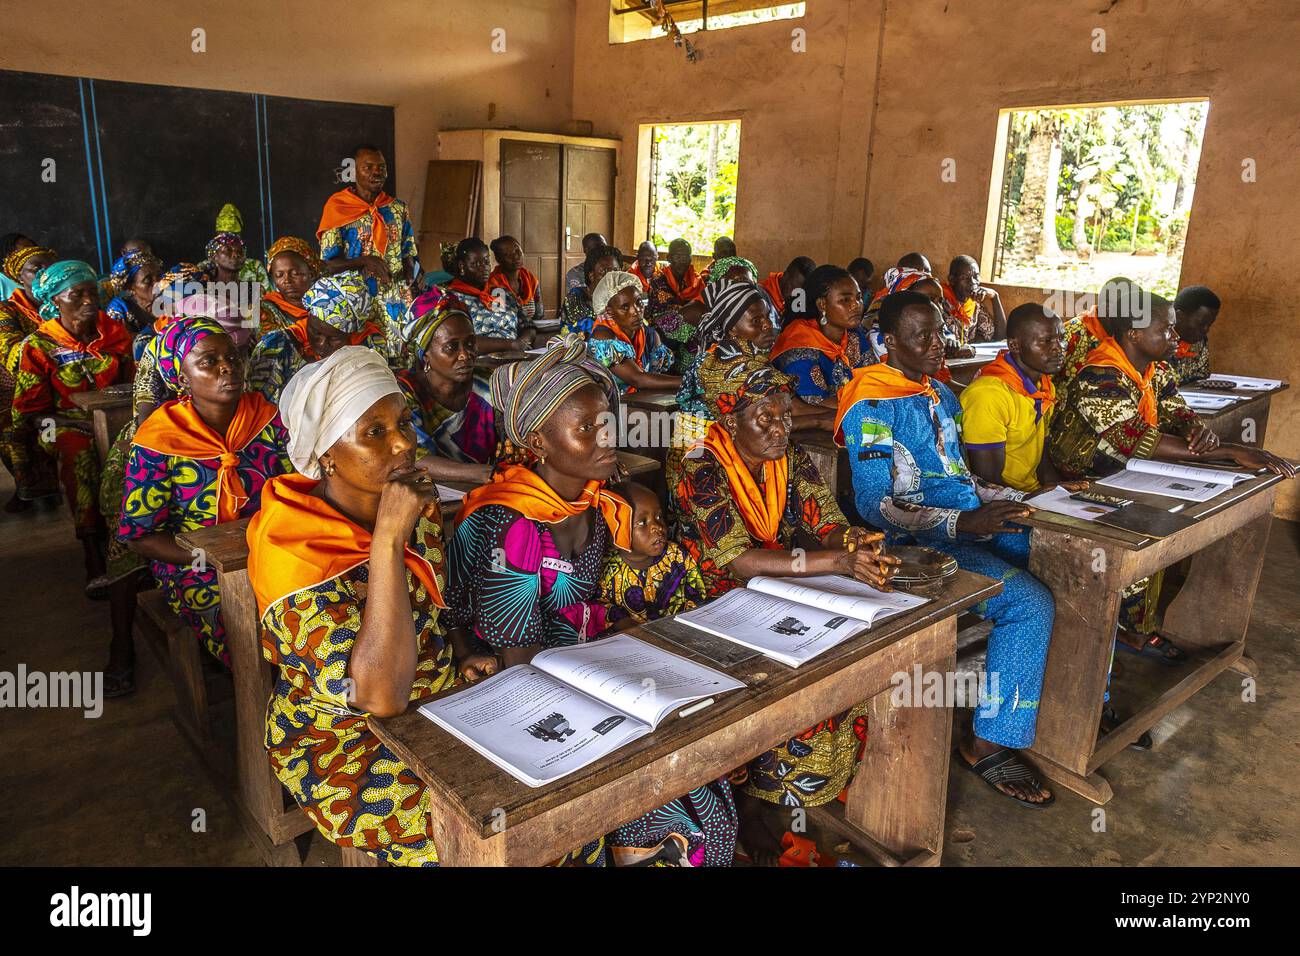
1248,382
780,629
449,494
1209,401
533,726
1157,484
838,593
1191,472
637,678
1058,501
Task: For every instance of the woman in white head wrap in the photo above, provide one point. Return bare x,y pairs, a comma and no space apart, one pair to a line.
346,560
623,342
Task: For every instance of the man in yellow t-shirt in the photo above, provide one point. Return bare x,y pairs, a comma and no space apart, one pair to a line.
1007,408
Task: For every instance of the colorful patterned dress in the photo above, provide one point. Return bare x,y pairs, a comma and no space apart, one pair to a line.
811,768
500,317
33,471
469,435
664,309
656,357
577,314
355,239
168,493
282,352
52,368
819,376
357,791
672,585
1191,361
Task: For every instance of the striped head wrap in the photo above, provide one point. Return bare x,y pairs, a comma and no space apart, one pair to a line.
528,393
720,267
57,278
172,344
294,244
14,262
125,268
342,301
733,377
428,323
727,303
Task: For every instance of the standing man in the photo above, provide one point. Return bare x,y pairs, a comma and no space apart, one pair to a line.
364,228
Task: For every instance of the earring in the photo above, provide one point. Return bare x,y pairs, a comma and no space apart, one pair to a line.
329,469
822,320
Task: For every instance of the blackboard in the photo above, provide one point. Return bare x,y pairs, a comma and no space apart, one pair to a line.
158,162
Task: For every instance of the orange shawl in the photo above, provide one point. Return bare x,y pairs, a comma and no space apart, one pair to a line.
111,337
284,305
299,331
691,289
1001,368
175,428
522,489
772,286
955,308
877,382
296,541
345,206
645,279
761,510
1109,354
484,294
807,334
527,282
25,304
637,344
1185,350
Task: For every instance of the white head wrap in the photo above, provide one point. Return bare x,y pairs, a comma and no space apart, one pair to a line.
324,399
610,285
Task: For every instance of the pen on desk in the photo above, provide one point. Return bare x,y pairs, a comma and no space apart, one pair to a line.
708,701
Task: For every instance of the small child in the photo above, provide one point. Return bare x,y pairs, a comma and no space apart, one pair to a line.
656,578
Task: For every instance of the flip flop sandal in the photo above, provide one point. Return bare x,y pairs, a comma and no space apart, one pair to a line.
1156,648
1005,767
124,681
97,588
1110,720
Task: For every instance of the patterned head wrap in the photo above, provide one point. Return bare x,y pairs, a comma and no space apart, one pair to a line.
341,301
172,344
898,280
57,278
125,268
720,267
427,301
223,240
727,303
230,219
610,285
294,244
14,262
734,378
427,325
528,393
324,399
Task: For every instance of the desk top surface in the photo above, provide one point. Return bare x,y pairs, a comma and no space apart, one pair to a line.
115,396
476,787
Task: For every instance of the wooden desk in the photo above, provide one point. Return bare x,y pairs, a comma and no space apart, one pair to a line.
895,806
1086,565
110,410
964,370
653,399
1229,423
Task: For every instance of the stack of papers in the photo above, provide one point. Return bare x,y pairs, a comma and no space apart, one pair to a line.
1246,383
1209,401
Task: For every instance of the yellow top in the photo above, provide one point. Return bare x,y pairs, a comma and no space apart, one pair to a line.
993,414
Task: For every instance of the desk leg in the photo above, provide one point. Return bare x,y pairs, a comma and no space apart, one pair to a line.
1078,659
900,793
459,843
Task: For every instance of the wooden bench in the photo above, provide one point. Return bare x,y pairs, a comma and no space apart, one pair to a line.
182,655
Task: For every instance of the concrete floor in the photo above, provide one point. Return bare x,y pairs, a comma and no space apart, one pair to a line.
1220,788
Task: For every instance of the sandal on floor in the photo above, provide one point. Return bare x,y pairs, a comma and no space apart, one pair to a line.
1110,720
1005,766
119,683
1157,648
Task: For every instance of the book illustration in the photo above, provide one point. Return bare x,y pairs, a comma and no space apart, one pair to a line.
790,625
552,727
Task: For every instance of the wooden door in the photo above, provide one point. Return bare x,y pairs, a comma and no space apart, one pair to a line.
530,209
588,197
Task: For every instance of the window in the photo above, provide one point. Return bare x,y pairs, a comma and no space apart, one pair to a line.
1081,194
692,183
641,20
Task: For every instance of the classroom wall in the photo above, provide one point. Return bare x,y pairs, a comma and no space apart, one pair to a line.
932,90
437,68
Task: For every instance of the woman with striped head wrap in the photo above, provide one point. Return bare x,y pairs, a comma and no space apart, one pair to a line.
20,314
337,312
903,279
621,340
76,348
451,407
741,500
292,266
198,460
230,223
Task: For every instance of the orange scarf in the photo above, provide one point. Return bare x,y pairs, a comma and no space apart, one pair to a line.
111,337
175,428
484,294
645,279
522,489
692,286
25,304
284,305
345,206
1002,368
296,541
1109,354
637,344
761,510
299,331
772,286
527,283
807,334
877,382
1093,325
955,308
1185,350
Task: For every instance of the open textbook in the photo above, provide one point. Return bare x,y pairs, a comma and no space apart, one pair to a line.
573,705
792,620
1188,482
